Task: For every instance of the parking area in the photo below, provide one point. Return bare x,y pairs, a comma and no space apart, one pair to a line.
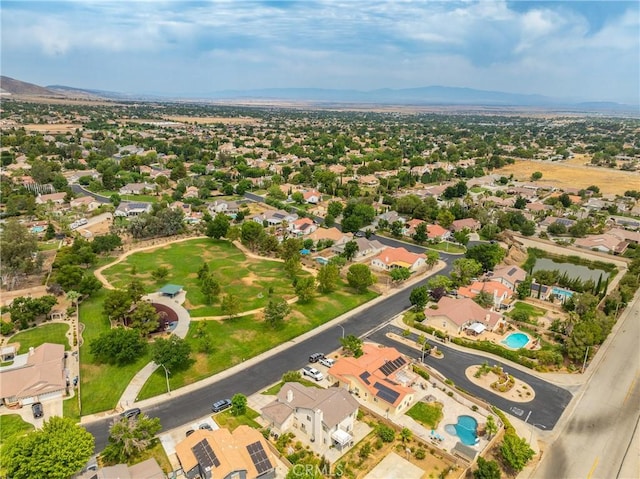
50,407
170,438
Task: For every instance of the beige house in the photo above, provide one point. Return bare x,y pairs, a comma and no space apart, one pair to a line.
243,453
457,315
148,469
322,416
34,376
381,376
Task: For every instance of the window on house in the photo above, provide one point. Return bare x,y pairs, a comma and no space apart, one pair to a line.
308,418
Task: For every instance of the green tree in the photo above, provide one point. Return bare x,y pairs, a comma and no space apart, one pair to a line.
524,288
487,254
172,353
515,451
251,233
400,274
305,287
230,305
18,252
484,299
465,269
129,437
386,433
334,208
276,311
117,346
238,404
396,228
419,297
328,276
491,426
209,287
487,469
462,236
536,175
420,236
405,434
50,233
445,218
352,345
350,250
160,273
297,197
144,318
57,451
219,226
359,277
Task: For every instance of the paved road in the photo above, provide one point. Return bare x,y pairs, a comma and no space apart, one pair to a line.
600,437
543,411
78,189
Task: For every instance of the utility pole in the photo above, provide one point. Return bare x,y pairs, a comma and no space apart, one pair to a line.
584,363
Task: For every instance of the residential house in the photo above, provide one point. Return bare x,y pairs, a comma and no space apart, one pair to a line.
87,202
501,293
381,377
243,454
457,315
625,222
390,217
149,469
321,416
411,225
365,248
37,375
132,209
508,275
625,235
550,220
230,208
391,258
191,192
137,188
469,223
540,291
312,197
438,233
368,180
275,217
333,234
605,243
302,227
55,198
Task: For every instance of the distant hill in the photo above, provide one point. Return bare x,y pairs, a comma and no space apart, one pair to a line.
17,87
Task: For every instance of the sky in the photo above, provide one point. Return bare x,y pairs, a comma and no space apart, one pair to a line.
578,50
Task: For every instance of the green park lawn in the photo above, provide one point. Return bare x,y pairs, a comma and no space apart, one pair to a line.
429,415
46,333
446,247
227,420
248,336
247,278
101,385
12,425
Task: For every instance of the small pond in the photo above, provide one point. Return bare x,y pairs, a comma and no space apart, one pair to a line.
572,270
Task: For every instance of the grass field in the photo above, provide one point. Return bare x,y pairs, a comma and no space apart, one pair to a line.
249,279
534,312
12,425
248,336
101,384
228,420
71,408
46,333
574,174
447,247
427,414
275,389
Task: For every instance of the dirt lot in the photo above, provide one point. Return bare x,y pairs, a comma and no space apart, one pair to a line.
575,174
53,128
213,119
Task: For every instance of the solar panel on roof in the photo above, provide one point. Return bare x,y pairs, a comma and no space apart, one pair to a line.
390,366
511,271
365,377
259,457
205,455
385,393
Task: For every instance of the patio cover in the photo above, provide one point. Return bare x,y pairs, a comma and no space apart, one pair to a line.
341,437
171,289
477,328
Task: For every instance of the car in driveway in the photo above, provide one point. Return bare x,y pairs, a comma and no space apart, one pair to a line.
315,357
312,373
131,413
221,405
36,409
328,362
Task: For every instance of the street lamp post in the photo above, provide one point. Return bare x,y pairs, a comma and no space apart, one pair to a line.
166,375
341,327
424,347
586,355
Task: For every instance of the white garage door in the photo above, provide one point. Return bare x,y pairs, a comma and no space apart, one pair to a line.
27,401
51,395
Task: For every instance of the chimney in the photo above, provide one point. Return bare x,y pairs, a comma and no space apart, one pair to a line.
487,317
289,395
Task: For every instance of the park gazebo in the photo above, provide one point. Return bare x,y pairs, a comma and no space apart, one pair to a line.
171,290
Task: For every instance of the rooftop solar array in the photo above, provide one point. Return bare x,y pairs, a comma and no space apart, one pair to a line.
205,455
259,457
365,377
512,271
390,366
385,393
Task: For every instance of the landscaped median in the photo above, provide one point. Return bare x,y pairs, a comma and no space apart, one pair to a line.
254,281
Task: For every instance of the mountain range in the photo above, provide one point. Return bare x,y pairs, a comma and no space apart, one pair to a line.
423,96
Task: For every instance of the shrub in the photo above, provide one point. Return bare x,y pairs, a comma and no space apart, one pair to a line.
421,454
385,433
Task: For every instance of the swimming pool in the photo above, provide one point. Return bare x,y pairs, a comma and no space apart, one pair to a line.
38,229
465,429
563,293
516,340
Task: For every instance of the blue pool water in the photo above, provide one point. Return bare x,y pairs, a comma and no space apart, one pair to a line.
563,293
516,340
465,429
38,229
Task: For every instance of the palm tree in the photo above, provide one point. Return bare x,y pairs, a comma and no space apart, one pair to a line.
491,426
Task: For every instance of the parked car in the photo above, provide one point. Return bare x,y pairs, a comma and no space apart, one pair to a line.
312,373
36,409
205,426
315,357
131,413
221,405
328,362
